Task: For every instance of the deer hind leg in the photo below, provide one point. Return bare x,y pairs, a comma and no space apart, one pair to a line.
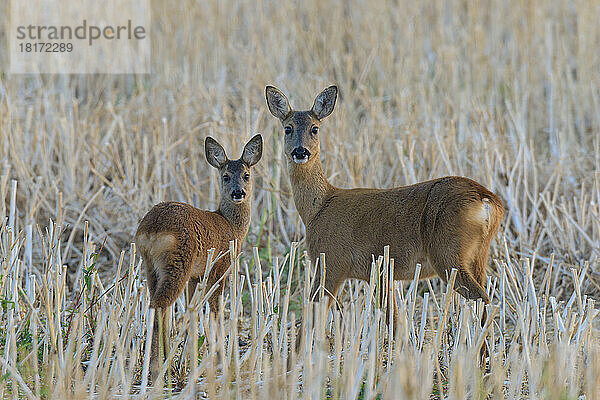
152,281
470,278
214,300
330,288
481,260
390,305
469,287
171,278
331,285
217,272
466,283
191,289
160,338
479,270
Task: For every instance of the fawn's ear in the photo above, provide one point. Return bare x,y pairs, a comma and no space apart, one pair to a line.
215,154
325,102
253,150
277,102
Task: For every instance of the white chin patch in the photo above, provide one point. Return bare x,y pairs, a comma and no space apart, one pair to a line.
301,161
237,200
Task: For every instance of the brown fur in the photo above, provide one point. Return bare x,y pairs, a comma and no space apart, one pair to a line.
174,238
443,223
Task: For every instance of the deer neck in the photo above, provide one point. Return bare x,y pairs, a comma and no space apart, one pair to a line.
309,186
238,216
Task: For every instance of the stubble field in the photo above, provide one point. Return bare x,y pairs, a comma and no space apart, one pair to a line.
504,92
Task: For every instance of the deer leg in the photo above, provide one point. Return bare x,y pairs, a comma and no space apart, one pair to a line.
481,278
330,288
390,305
160,341
465,284
155,359
479,269
469,286
474,289
213,301
191,288
152,280
170,285
216,273
171,280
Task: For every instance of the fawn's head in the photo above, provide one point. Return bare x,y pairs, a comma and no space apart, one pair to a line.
236,180
301,128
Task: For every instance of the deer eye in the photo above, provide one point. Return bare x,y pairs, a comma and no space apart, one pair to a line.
226,178
246,177
314,130
287,130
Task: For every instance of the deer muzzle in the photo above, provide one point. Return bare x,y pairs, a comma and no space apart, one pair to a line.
238,195
300,155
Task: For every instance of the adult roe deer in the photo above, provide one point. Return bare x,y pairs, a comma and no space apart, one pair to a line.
443,223
174,238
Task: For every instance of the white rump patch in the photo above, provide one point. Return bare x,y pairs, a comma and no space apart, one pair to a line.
156,245
162,243
486,212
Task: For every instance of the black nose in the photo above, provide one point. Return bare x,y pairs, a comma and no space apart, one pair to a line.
301,153
237,195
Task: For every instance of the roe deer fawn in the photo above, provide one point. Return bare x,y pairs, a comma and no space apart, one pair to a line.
174,238
443,223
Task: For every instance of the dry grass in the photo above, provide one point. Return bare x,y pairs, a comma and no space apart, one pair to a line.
503,92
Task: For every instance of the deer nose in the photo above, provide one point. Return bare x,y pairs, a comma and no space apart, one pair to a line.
238,195
300,155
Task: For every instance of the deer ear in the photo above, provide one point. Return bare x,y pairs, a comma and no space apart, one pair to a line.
253,150
277,102
325,102
215,154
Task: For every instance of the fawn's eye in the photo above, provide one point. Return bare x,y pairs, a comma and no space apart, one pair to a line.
314,130
246,177
226,178
287,130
